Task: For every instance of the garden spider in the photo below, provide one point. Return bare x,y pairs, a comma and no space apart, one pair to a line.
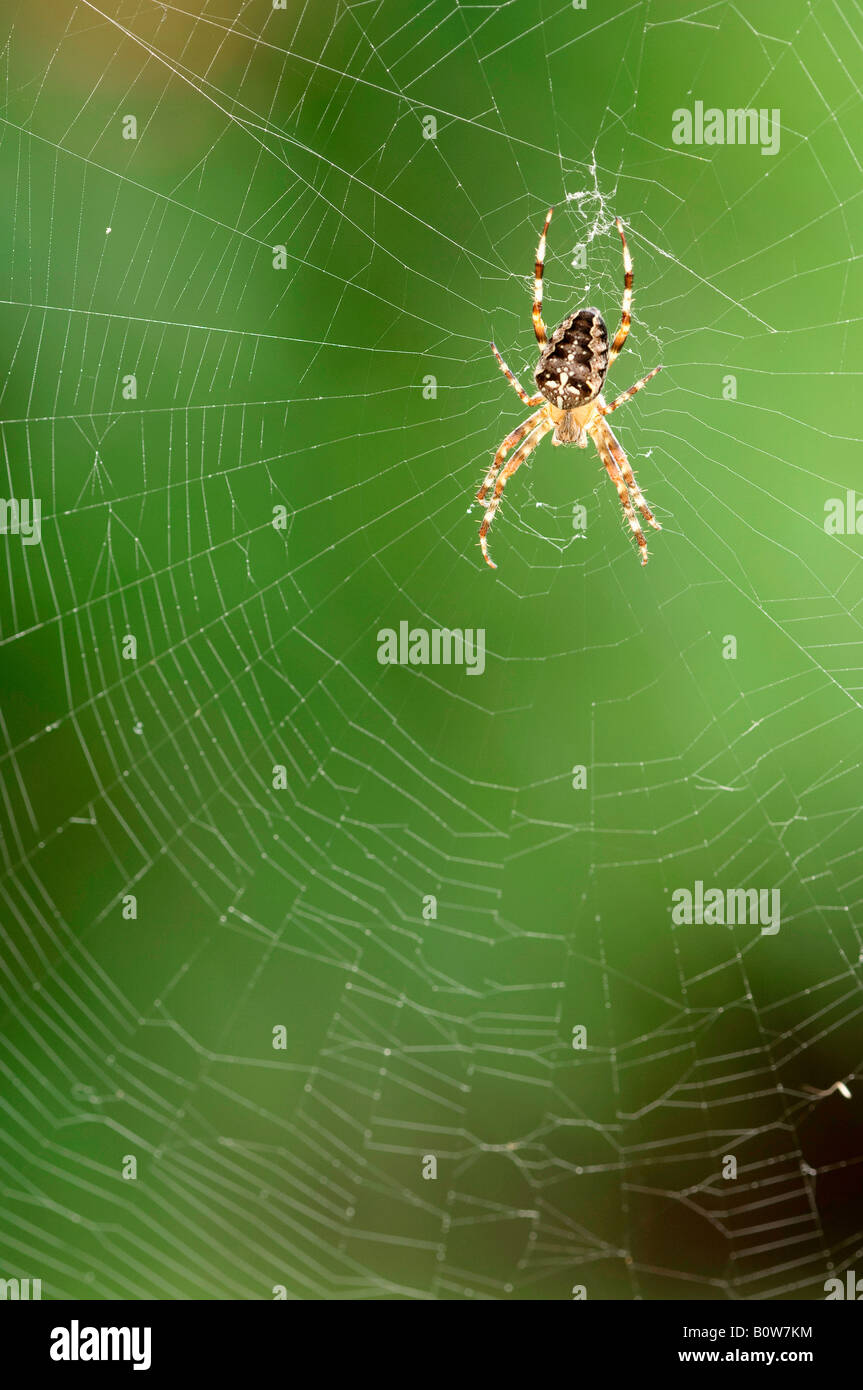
570,374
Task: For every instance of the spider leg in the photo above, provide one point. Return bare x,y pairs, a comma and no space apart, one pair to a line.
626,306
515,383
625,468
512,438
515,462
623,477
627,395
538,325
613,473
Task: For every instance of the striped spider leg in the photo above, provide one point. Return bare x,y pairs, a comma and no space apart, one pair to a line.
539,428
618,468
515,383
627,395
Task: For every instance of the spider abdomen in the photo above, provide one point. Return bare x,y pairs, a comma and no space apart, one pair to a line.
574,361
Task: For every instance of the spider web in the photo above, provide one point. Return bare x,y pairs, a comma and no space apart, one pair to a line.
354,387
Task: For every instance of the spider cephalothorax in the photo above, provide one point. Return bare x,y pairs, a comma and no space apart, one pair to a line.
570,375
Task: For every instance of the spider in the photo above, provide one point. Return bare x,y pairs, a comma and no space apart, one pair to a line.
570,374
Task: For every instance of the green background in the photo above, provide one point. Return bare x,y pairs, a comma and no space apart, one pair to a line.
408,1037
